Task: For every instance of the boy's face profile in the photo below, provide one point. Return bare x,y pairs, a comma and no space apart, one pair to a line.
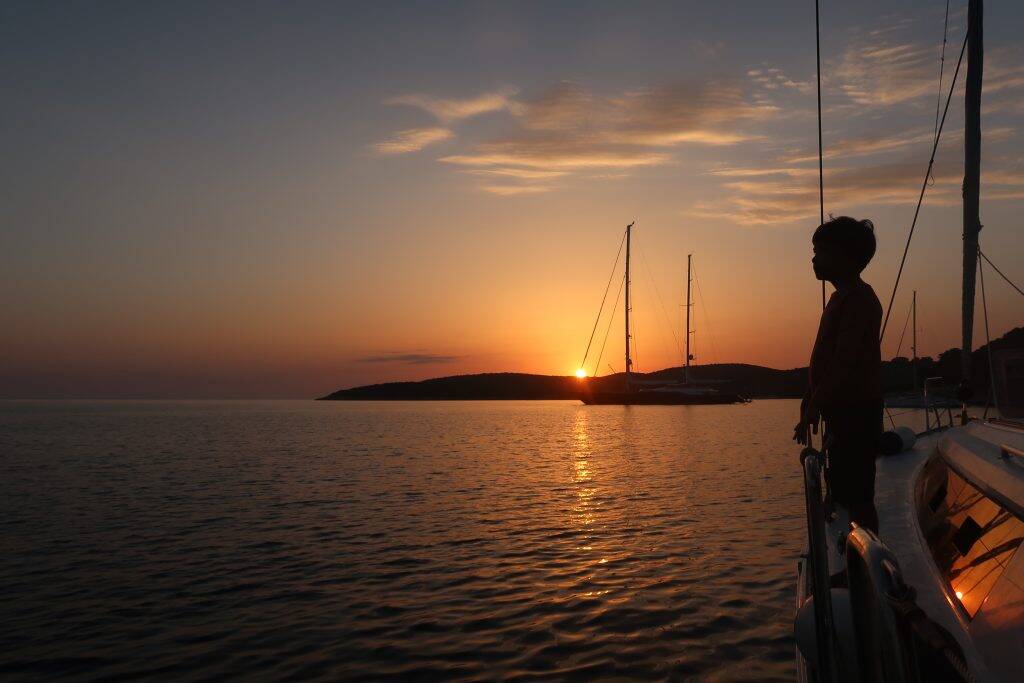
842,248
830,263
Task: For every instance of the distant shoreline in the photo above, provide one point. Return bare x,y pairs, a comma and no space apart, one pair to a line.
752,381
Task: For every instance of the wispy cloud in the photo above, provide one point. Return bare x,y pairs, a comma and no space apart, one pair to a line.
920,139
742,172
884,71
573,133
409,358
867,145
447,110
412,140
569,129
706,49
784,196
509,190
556,154
709,113
773,78
882,76
517,173
1003,70
783,192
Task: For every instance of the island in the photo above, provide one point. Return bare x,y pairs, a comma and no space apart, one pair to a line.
752,381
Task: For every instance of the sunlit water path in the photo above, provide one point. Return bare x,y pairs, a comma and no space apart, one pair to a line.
480,540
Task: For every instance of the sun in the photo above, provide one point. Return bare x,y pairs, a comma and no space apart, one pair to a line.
581,373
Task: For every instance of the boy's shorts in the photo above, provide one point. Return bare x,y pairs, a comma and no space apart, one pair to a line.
852,437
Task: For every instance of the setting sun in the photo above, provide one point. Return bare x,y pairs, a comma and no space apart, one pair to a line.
581,373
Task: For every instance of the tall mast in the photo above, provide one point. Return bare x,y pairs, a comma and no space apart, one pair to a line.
686,368
629,362
972,174
913,363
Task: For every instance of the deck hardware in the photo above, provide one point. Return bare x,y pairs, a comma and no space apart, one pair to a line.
1006,451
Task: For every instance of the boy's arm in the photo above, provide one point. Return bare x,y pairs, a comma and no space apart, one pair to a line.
851,344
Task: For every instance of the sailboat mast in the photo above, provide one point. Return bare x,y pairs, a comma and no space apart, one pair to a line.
689,279
913,362
972,174
629,362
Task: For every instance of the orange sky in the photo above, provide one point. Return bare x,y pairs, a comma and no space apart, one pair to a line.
337,200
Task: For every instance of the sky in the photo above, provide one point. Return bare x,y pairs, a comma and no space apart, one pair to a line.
217,200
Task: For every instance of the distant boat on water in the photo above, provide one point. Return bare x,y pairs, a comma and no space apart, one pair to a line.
927,397
646,392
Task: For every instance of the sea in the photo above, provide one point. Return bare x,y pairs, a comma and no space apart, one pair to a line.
447,541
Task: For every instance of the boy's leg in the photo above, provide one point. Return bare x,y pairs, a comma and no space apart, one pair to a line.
855,433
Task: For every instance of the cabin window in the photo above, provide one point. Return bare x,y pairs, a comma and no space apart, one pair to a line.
971,537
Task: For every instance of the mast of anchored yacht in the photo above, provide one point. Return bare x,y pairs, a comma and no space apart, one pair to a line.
972,177
689,279
913,362
629,362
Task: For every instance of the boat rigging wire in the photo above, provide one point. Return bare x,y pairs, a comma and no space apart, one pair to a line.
707,318
988,341
821,158
924,186
597,365
603,299
899,347
661,301
906,322
634,345
942,64
1008,281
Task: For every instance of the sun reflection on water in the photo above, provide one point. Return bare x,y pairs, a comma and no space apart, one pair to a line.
582,515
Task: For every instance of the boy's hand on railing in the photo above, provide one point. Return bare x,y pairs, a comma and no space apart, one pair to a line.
800,433
807,425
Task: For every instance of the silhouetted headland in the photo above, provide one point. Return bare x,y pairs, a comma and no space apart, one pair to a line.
754,381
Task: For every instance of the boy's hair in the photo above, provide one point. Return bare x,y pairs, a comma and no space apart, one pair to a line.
856,238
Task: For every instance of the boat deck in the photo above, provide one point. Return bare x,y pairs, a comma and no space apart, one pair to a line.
895,479
976,452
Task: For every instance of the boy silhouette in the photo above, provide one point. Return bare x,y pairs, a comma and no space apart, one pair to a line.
845,387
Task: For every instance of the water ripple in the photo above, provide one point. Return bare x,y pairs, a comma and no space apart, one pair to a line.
439,541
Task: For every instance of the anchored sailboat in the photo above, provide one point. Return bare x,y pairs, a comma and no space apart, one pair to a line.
656,392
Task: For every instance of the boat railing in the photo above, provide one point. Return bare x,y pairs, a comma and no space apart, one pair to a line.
827,660
875,581
931,407
895,641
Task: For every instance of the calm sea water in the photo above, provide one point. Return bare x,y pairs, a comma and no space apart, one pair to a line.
448,541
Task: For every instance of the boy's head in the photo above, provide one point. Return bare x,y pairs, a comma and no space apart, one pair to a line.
843,247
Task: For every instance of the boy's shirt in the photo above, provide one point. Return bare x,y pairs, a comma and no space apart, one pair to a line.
846,363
